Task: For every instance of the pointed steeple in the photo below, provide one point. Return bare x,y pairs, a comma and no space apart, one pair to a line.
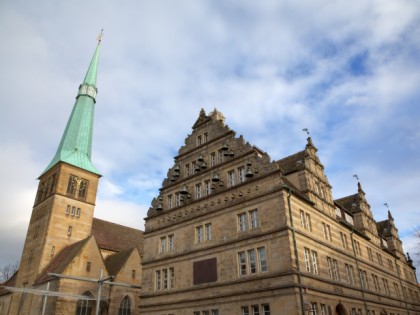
76,143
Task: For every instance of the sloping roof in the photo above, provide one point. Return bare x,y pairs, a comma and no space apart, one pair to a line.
347,202
384,228
9,283
116,237
290,163
61,260
115,262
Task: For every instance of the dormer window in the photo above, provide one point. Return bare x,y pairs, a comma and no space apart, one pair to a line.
199,140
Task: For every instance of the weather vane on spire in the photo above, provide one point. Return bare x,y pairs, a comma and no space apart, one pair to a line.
355,176
386,205
100,36
306,130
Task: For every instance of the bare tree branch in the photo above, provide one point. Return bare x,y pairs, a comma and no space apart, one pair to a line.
6,272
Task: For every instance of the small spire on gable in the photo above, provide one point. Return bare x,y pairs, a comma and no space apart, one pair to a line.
390,217
216,115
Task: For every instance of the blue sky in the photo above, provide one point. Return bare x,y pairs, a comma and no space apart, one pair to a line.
347,71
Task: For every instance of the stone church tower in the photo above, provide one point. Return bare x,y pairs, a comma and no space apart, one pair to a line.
65,201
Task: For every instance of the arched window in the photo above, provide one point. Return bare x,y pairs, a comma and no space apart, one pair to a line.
125,306
84,307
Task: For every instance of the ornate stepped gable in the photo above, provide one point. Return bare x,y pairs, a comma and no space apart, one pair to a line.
207,157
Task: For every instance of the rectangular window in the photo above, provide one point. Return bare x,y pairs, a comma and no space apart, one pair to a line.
88,265
231,178
208,231
199,234
73,211
71,186
220,154
214,312
357,247
177,199
245,310
241,174
213,159
187,170
199,140
329,267
369,253
266,309
349,273
323,309
205,137
302,218
379,259
242,224
69,230
68,210
336,272
170,204
327,231
171,242
252,261
194,167
255,309
242,263
248,220
133,274
78,212
362,279
376,283
314,308
305,220
198,191
386,287
253,219
203,233
307,261
165,279
162,247
171,278
83,184
207,186
262,258
158,280
397,290
390,264
344,240
314,262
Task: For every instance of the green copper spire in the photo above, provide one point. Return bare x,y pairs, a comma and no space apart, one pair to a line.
76,143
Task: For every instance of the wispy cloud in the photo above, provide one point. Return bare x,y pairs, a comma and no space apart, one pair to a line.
347,71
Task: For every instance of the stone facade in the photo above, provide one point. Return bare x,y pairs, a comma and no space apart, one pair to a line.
233,232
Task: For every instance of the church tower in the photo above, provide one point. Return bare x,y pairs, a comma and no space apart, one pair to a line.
64,204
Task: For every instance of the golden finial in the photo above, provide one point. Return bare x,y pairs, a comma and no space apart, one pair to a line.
100,36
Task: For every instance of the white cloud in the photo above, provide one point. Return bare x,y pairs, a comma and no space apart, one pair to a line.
272,67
